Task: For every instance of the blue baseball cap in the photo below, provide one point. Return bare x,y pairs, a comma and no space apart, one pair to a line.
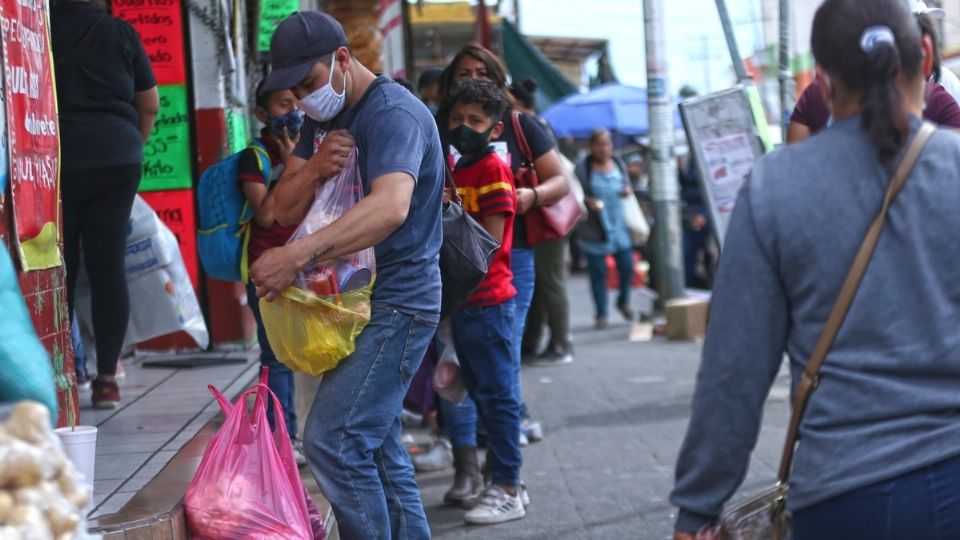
299,41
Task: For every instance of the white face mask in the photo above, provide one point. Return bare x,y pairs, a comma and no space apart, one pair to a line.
325,103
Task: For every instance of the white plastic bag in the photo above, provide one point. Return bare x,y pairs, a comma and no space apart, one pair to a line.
570,171
635,220
162,299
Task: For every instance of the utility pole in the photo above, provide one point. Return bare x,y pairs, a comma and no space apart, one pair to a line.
785,73
731,38
664,187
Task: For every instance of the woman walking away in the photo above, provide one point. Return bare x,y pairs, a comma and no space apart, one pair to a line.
606,185
108,102
879,451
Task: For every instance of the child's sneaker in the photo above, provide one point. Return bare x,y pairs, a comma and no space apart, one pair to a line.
298,452
496,506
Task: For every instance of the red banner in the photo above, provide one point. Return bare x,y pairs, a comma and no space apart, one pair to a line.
33,132
160,24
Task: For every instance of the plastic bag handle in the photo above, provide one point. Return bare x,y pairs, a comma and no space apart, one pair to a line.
261,389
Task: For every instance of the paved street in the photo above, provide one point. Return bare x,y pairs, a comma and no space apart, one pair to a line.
614,422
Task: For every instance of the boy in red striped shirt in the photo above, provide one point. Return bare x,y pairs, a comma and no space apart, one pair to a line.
483,328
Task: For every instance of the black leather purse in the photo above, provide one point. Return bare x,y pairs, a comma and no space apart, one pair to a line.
465,255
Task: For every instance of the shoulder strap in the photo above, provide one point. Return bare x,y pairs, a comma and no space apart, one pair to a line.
525,153
809,379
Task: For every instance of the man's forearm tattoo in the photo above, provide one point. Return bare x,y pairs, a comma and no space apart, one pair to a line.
320,254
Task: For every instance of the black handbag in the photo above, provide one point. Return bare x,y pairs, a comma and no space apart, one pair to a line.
465,255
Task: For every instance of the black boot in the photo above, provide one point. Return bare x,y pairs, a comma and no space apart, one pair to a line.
467,481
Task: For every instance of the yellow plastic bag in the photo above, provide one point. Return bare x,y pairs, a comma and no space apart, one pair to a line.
314,323
311,333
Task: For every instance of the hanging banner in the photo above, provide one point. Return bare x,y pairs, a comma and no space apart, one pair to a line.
391,26
166,155
271,13
160,25
34,144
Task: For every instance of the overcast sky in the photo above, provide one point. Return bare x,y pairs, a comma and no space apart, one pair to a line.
697,53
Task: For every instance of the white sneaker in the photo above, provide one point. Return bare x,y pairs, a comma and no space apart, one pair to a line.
524,494
496,506
298,452
438,458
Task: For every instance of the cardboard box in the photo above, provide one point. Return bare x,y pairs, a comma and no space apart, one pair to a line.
687,318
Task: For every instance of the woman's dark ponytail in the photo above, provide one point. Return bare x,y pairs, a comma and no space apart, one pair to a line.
881,103
866,45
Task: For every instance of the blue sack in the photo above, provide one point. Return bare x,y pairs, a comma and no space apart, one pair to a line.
25,369
224,217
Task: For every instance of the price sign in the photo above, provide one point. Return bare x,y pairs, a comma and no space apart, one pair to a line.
271,13
166,155
160,25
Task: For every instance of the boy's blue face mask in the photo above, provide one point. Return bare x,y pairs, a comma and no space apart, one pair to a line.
291,122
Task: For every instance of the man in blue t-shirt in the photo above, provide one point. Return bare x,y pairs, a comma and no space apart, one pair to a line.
352,438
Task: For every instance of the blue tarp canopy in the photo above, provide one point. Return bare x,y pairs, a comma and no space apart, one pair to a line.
617,107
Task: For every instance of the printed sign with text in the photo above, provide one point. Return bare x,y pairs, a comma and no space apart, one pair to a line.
166,155
160,25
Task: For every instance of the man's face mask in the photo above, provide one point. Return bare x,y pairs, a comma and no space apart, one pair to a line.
324,104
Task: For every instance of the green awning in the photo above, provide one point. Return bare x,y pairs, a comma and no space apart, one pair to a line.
524,60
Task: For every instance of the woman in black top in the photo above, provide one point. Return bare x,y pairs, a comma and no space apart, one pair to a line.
108,102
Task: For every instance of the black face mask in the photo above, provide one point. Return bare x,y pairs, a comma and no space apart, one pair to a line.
469,142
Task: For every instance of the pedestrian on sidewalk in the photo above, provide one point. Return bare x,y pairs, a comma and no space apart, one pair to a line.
549,306
352,437
879,450
483,329
604,233
278,112
476,62
107,101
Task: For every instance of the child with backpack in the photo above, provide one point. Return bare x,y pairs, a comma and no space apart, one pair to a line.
278,112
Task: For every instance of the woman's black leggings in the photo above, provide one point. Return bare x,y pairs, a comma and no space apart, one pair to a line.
96,215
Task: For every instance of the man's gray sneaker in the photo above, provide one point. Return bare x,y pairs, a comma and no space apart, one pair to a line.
554,356
438,458
496,506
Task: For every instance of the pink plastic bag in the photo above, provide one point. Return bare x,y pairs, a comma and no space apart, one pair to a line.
248,485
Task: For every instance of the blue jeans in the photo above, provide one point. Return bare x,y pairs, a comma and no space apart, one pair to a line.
523,265
524,277
79,355
352,437
483,337
597,265
921,504
280,378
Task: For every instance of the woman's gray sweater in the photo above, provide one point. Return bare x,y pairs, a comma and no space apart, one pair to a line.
889,396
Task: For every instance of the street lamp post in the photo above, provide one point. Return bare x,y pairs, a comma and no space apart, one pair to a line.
664,187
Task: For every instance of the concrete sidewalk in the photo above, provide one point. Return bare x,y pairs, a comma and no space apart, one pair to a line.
614,422
161,410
